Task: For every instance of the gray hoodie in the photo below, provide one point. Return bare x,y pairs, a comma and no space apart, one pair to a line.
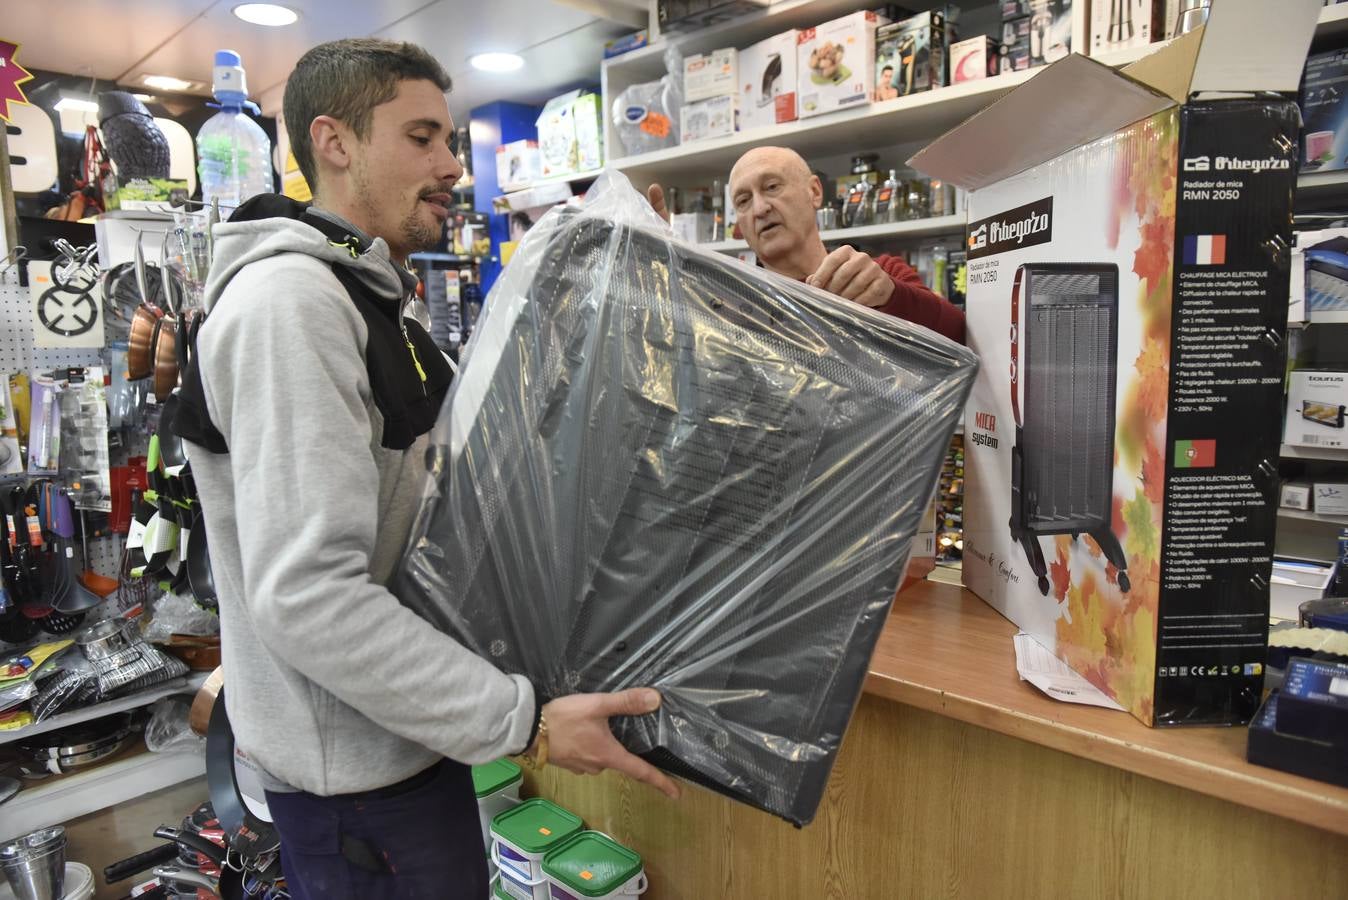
332,685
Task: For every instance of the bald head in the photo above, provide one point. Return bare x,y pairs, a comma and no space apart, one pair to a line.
775,197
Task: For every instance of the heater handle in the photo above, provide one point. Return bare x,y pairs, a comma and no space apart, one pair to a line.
1015,345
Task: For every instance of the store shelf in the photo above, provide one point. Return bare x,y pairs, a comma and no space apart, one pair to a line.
188,685
1333,23
1318,185
1307,516
67,797
1333,454
1328,317
903,120
543,191
913,229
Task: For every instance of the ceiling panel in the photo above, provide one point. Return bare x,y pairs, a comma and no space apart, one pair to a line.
99,38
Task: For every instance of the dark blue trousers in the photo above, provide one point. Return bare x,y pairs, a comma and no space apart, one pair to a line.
416,840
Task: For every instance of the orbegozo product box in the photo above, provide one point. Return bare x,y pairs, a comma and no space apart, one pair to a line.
1121,477
1324,107
910,56
1316,402
768,82
835,64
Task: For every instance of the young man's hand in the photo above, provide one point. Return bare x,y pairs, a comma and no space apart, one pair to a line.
656,195
854,276
580,741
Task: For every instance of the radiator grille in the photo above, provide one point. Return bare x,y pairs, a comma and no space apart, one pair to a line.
1068,435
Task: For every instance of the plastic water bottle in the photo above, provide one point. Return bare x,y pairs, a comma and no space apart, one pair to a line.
234,153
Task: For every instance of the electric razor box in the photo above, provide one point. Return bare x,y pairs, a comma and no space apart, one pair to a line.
1121,440
910,56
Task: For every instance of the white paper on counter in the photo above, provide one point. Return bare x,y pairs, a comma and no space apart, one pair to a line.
1052,676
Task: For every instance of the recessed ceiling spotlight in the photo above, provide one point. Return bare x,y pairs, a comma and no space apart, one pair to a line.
166,83
497,62
269,14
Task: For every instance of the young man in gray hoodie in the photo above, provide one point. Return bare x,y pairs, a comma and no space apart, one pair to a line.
316,396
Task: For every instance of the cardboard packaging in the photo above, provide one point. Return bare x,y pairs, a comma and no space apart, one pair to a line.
1121,24
1324,108
557,148
1317,400
1293,582
1295,495
835,64
517,165
680,16
587,113
768,82
710,118
976,58
910,56
1121,438
714,74
1331,498
1319,276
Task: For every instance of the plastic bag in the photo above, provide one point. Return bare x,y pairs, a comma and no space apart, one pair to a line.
661,467
175,614
169,728
646,115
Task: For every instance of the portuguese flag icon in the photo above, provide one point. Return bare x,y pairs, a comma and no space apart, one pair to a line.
1195,454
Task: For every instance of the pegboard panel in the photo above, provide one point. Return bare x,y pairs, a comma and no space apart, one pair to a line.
17,353
105,555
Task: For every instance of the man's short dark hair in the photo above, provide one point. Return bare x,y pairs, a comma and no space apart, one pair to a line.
347,79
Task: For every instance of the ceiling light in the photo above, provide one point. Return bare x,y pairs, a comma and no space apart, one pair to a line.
269,14
497,62
166,83
76,105
143,98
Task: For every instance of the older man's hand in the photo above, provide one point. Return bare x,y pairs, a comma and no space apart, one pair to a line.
854,276
655,194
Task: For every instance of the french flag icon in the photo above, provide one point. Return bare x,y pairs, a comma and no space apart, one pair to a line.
1205,250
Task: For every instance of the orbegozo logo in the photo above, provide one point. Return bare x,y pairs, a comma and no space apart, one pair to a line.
1235,164
1014,229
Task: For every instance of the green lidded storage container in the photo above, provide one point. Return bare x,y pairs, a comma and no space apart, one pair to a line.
497,785
593,865
521,837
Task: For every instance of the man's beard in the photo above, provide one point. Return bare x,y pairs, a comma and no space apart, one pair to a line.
416,234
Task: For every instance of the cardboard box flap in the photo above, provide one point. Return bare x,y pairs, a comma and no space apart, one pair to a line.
1169,69
1072,102
1253,45
562,101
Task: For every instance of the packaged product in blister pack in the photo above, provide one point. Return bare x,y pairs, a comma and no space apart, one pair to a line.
661,467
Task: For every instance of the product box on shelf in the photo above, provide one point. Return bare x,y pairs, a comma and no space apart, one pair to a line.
1317,400
1293,582
713,74
1120,24
1331,498
517,165
1319,276
143,193
1042,37
768,82
679,16
694,227
1122,434
1295,495
557,136
710,118
1324,108
973,59
910,56
835,63
587,112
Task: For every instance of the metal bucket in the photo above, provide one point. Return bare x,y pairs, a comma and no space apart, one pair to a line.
35,865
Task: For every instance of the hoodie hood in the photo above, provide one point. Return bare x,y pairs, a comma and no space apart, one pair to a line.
271,224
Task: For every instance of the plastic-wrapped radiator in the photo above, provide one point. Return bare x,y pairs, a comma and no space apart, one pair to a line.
660,467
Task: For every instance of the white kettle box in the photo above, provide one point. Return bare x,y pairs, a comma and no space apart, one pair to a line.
1121,481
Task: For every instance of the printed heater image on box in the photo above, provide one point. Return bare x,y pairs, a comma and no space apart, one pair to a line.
1062,465
1323,413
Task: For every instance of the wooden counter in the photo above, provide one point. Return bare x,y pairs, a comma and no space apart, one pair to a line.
956,779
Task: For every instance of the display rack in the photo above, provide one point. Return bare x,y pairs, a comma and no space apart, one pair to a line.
186,685
916,228
1308,516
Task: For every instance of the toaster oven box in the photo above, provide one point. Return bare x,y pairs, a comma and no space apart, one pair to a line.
1316,402
1122,440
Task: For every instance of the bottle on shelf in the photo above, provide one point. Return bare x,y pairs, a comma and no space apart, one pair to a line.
463,152
717,211
942,198
672,201
916,206
888,204
859,210
234,151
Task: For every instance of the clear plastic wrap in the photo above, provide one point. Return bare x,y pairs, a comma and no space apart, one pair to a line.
169,728
646,115
661,467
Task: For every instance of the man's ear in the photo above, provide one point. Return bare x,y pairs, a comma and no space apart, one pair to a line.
330,140
816,192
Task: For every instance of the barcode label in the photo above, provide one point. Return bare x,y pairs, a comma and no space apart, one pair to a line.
1310,439
1339,687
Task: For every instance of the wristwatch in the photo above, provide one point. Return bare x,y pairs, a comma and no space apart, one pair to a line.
537,755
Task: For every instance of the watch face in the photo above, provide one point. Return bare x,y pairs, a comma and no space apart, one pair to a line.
67,313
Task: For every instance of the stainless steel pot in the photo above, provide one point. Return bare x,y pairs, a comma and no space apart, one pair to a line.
35,864
105,639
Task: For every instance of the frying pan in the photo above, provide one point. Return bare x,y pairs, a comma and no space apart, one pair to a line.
199,575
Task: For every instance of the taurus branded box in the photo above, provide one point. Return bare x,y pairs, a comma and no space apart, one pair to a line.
835,63
768,81
1127,291
1316,402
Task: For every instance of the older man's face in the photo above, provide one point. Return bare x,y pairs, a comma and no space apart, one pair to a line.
775,198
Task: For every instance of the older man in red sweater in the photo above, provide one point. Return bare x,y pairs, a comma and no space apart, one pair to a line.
775,196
